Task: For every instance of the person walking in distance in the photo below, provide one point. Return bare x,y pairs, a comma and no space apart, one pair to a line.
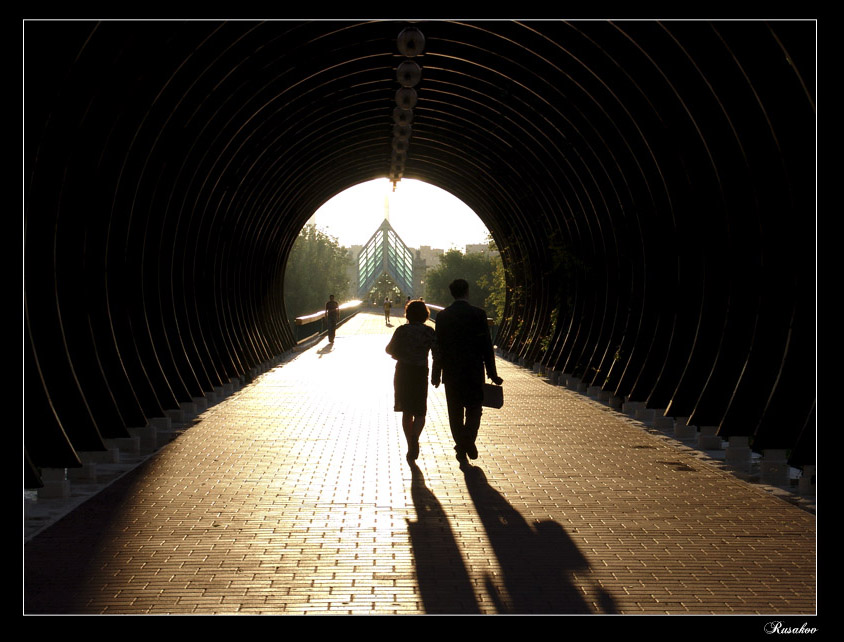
387,306
465,351
332,317
409,346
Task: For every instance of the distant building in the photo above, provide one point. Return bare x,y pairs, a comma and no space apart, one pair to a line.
385,253
481,248
431,256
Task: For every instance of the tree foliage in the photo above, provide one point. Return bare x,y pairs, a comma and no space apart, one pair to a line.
317,266
495,284
485,275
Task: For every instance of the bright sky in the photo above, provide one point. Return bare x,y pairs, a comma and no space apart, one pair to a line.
420,213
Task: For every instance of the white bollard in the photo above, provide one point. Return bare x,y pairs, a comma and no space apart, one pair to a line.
773,469
631,407
56,484
708,439
661,421
806,483
738,454
682,429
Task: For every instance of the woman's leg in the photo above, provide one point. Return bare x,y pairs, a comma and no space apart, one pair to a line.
418,425
413,426
407,423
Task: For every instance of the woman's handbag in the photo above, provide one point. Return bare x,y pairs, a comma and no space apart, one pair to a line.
493,396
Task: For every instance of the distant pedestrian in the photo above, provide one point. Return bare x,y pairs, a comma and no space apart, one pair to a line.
387,307
332,317
410,346
465,351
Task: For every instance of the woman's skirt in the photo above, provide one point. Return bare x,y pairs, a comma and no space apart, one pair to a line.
411,388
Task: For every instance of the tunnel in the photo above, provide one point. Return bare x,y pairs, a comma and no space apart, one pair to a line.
650,186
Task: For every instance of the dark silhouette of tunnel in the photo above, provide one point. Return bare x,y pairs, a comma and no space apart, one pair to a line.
651,187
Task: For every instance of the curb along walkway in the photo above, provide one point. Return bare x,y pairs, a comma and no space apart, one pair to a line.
293,497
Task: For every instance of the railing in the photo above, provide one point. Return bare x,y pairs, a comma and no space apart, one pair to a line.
306,326
433,309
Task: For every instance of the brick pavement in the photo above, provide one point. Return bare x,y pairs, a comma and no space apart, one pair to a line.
293,497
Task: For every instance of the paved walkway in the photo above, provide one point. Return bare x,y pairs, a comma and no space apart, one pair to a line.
293,496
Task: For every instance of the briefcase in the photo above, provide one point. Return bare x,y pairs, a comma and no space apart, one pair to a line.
493,396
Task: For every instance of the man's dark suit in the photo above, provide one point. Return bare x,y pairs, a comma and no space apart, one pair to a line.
465,350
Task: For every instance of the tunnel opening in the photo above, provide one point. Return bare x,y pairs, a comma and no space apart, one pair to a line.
382,240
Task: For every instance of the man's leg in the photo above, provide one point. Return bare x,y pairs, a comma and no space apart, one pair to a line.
470,431
454,404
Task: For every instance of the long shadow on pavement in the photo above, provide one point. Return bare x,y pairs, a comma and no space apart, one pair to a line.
536,561
63,571
443,580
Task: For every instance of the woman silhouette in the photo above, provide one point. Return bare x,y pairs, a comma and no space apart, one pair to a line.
409,346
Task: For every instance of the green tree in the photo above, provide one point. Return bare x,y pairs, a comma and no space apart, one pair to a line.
485,275
317,266
495,284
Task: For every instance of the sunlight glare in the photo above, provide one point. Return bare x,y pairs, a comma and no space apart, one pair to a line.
421,214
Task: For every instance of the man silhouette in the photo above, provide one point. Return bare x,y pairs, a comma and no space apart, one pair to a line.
332,317
465,351
387,306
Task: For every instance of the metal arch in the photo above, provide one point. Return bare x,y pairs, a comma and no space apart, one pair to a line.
197,160
432,45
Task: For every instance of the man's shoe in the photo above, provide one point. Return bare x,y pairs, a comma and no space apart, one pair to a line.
460,455
472,451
